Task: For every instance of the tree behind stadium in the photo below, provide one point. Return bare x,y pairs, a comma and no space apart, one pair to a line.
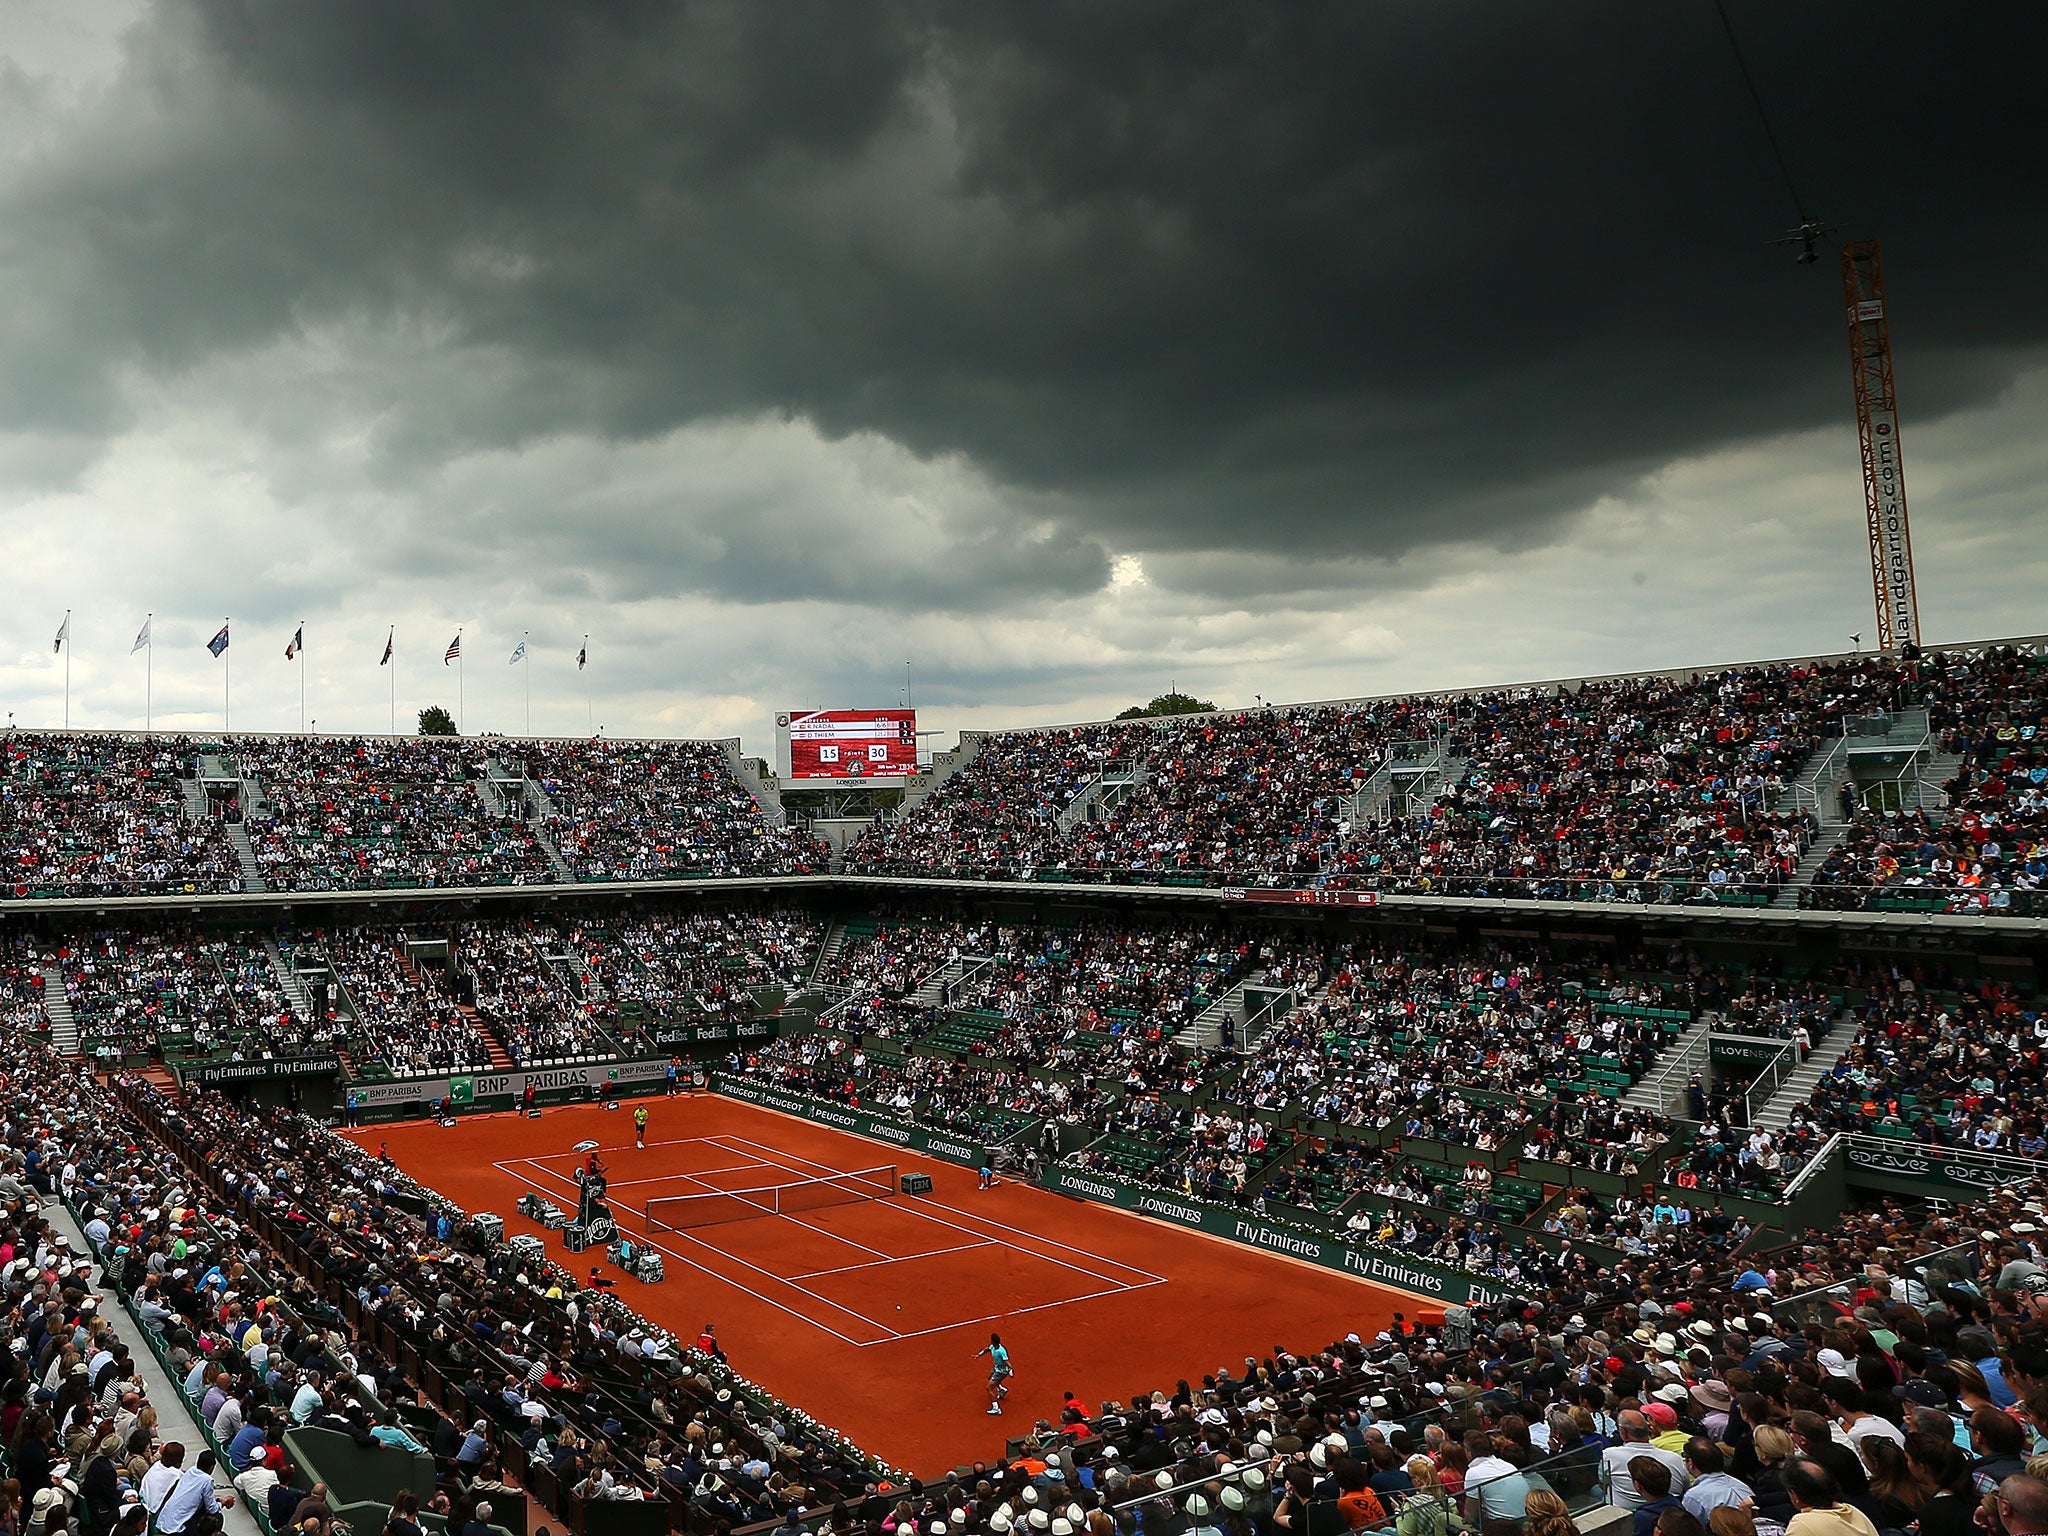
1168,704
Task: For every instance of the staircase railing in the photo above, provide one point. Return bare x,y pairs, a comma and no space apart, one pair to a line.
1764,1086
1689,1056
1810,791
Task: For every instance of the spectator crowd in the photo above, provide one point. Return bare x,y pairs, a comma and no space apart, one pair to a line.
91,815
1886,1373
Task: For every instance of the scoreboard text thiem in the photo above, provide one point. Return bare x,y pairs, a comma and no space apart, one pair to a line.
850,743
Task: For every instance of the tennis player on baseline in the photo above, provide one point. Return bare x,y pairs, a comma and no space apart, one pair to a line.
999,1371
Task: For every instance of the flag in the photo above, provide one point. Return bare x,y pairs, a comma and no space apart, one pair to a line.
219,642
582,656
141,639
454,649
518,654
387,645
296,644
63,634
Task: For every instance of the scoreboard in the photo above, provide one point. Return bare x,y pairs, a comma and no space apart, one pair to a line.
847,743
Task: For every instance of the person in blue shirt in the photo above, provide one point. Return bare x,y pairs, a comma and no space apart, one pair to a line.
387,1432
247,1446
1982,1349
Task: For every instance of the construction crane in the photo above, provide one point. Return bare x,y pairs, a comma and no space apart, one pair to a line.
1877,407
1877,428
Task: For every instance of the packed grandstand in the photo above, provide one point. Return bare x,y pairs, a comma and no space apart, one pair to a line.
1678,1036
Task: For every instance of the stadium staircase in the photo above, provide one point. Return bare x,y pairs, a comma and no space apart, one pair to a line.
1409,768
944,766
1108,790
768,799
57,1004
1776,1112
1787,896
1661,1088
501,1059
588,987
1927,793
500,775
1256,1027
1818,788
289,981
541,836
1206,1033
344,1005
1371,797
245,855
1449,775
500,784
828,953
929,992
195,799
1406,785
495,805
932,991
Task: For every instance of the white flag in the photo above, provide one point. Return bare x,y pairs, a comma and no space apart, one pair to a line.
141,639
63,634
518,653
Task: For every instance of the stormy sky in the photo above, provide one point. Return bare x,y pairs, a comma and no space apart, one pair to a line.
1063,350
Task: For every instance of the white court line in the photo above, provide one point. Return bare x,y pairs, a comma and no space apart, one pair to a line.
803,1317
997,1317
756,1268
901,1258
782,1215
513,1162
1049,1242
713,1189
626,1146
664,1178
1115,1286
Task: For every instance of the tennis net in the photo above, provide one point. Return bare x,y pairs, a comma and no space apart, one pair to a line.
675,1213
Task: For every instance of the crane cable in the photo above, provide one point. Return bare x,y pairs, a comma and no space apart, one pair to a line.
1763,117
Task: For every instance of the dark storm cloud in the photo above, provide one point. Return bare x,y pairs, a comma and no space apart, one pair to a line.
1293,280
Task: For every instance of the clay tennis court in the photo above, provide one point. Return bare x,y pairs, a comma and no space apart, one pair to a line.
867,1314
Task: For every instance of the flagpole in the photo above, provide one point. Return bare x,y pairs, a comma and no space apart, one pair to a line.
224,679
461,713
588,709
67,669
148,678
302,679
526,670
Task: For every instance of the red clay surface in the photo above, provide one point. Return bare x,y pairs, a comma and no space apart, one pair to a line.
867,1316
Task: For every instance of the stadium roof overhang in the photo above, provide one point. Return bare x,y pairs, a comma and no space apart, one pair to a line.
1748,921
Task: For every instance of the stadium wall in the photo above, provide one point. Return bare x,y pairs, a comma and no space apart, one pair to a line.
2026,645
